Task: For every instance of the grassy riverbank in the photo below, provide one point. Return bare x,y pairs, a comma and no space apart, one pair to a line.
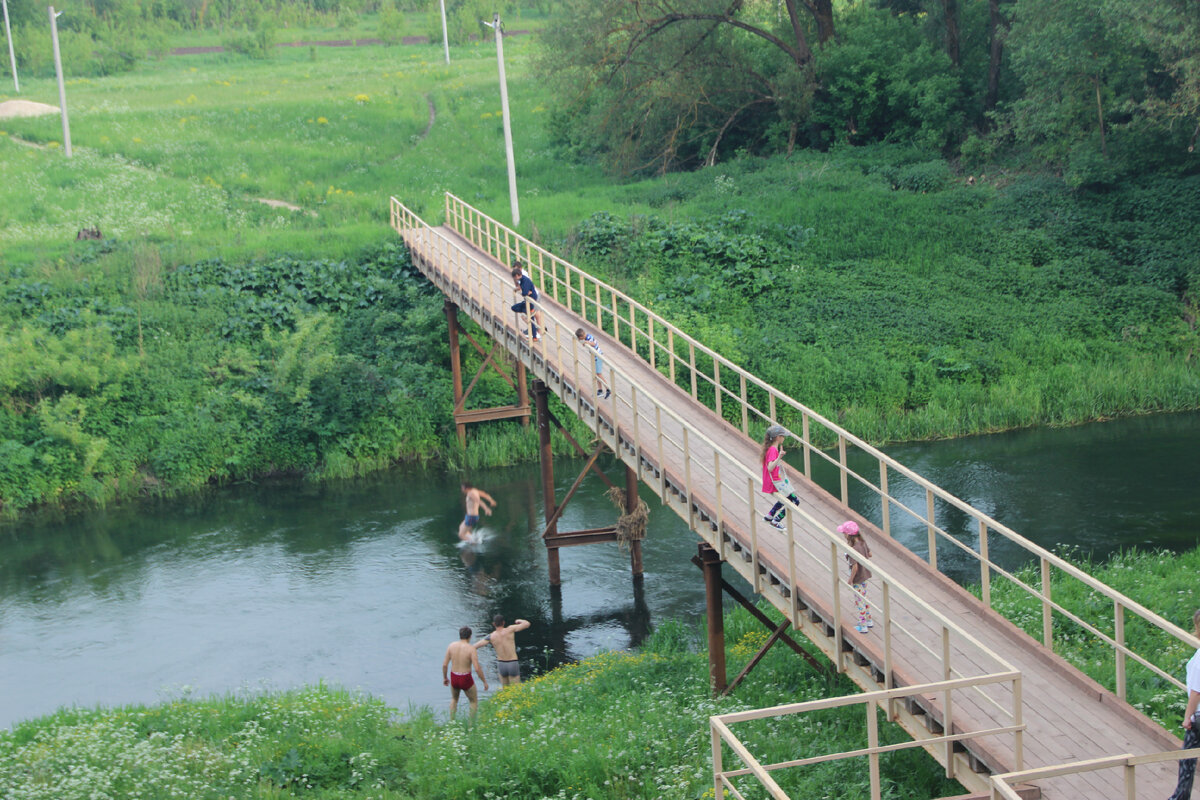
211,338
619,725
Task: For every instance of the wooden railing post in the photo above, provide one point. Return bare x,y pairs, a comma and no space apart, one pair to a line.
985,569
931,529
845,476
1047,611
872,743
840,661
1119,636
807,441
947,707
885,501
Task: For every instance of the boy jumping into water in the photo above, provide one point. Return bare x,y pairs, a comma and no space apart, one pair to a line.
475,498
461,657
503,641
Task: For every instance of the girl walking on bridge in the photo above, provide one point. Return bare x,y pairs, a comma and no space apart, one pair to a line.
859,574
774,478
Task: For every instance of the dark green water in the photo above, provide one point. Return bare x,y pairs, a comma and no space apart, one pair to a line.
361,584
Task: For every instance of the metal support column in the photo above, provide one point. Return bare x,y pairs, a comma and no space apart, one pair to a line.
631,504
522,392
710,561
546,458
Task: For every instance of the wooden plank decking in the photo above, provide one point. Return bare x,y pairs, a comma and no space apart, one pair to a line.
683,449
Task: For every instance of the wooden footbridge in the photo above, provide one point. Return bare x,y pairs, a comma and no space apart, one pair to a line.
997,707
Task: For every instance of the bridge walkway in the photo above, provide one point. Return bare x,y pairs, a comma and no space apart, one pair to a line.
1030,708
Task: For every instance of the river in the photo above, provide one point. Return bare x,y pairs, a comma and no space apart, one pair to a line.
361,583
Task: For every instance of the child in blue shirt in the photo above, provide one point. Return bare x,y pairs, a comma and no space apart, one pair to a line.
529,293
598,381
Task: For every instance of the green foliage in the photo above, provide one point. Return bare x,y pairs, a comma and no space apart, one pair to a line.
885,80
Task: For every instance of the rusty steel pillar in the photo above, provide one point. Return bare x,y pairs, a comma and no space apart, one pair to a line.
710,563
546,458
456,367
522,391
631,504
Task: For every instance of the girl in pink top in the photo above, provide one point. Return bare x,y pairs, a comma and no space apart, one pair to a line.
774,478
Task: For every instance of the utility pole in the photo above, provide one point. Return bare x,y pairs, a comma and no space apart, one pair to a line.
508,145
445,35
62,88
12,56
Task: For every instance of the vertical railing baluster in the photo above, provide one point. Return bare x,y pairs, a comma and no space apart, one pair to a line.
1047,612
985,568
750,498
720,506
662,465
692,361
845,477
1119,637
671,347
650,336
947,707
837,606
807,443
745,413
687,479
717,385
885,501
872,743
931,528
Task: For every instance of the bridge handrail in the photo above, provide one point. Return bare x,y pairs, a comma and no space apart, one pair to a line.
721,732
504,244
405,221
1002,785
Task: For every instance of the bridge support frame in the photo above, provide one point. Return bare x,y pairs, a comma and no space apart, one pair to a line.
778,632
553,539
464,416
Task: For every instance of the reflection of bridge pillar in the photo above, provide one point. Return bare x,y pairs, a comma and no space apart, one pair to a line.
546,459
710,563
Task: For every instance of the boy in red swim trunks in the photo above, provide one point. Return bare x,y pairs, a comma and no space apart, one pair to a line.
461,657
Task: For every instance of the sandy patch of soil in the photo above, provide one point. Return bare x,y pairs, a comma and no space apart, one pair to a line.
11,109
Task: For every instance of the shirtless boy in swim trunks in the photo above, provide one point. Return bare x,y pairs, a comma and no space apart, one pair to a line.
503,641
475,498
461,657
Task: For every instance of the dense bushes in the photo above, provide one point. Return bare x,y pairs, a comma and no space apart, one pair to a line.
889,294
228,371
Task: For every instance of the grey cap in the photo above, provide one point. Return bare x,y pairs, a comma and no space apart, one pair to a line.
776,430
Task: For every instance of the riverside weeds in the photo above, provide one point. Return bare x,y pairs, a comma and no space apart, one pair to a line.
617,725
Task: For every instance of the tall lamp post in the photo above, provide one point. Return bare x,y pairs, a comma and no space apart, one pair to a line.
62,88
445,33
12,56
508,145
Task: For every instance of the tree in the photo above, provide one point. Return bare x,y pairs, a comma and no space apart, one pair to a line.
658,84
1076,70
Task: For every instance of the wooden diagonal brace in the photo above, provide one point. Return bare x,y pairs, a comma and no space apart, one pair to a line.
762,651
766,621
487,357
571,492
579,448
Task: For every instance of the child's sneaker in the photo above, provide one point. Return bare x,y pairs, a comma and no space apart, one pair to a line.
870,623
599,392
607,393
774,523
860,628
537,337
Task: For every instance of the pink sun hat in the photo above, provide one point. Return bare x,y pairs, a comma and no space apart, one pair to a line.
849,527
